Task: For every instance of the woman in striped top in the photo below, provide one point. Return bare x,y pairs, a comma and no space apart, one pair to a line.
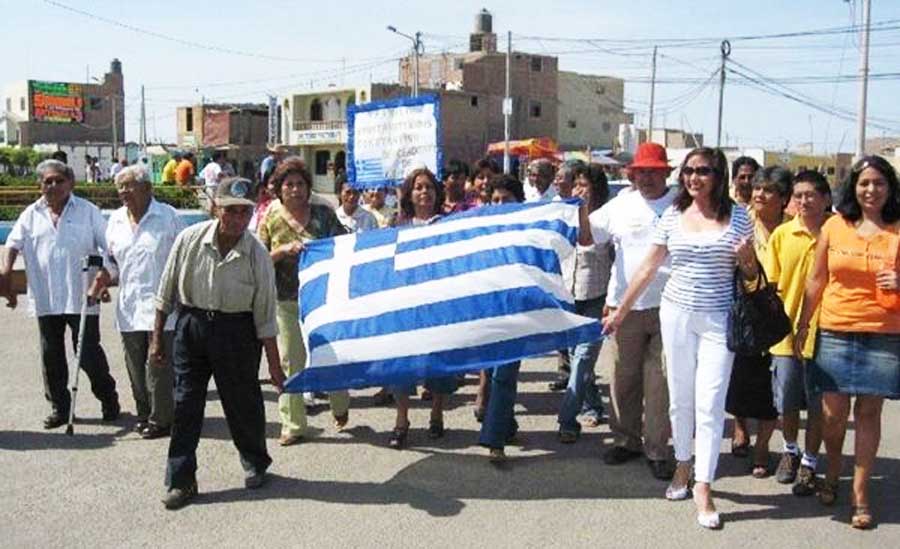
706,234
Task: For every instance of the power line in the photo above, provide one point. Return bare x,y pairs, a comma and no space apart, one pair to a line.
181,41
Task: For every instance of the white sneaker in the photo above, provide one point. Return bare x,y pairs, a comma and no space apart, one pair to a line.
309,399
710,521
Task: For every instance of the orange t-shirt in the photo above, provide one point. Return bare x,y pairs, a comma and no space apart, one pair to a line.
849,303
184,172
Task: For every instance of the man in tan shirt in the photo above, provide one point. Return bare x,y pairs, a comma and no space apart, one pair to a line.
222,281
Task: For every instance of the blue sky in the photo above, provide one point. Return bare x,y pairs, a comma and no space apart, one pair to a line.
319,43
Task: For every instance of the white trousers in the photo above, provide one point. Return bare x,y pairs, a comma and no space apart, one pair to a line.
698,364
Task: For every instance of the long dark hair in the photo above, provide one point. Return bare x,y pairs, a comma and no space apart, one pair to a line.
848,205
719,196
407,209
599,185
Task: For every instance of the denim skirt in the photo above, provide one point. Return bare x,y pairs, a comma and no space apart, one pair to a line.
857,363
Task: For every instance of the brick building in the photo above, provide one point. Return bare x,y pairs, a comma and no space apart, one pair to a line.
578,111
239,129
39,111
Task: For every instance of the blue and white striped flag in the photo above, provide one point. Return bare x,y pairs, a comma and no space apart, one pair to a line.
474,290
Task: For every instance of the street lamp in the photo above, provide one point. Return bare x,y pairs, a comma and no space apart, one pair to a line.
417,46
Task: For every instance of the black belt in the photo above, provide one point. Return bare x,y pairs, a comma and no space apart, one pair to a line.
212,316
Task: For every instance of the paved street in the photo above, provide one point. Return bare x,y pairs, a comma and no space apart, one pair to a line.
101,488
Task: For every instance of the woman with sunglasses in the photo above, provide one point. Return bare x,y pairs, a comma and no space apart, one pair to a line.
856,280
706,234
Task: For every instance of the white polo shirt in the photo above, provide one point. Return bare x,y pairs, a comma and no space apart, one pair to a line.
138,256
629,222
53,254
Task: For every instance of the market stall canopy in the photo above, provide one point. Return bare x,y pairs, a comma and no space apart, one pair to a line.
537,147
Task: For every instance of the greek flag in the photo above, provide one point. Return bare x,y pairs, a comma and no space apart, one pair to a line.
472,291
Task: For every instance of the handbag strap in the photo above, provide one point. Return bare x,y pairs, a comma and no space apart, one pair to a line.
761,280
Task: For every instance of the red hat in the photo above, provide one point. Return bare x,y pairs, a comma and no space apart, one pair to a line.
652,156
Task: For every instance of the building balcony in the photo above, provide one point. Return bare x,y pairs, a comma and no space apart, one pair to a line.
318,125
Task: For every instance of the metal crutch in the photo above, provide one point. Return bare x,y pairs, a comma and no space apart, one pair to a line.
89,267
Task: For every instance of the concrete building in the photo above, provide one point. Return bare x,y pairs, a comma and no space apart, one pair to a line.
40,111
315,124
591,108
481,73
578,111
239,129
672,138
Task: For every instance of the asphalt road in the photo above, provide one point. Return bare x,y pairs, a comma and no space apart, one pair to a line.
101,488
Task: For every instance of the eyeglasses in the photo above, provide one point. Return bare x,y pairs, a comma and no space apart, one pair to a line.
53,181
701,171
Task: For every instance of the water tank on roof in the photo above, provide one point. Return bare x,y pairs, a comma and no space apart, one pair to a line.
115,66
484,21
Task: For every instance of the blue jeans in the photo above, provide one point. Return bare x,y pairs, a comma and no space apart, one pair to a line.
499,420
581,394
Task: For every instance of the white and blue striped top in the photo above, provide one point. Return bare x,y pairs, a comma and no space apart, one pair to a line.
703,263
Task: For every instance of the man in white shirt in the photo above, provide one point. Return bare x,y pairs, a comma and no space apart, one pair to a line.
639,414
211,174
539,181
116,167
54,235
353,217
139,237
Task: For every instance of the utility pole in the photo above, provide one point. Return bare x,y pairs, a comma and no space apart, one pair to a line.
417,50
143,129
417,43
726,51
507,105
864,80
652,96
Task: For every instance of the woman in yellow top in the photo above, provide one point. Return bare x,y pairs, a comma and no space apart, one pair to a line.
750,388
790,257
858,345
288,224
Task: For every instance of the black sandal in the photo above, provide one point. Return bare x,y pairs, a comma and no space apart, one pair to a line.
740,450
398,438
435,429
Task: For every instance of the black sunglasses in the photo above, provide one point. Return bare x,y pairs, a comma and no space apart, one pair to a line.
701,171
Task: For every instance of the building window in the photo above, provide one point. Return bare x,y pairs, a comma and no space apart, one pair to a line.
572,124
96,103
830,170
315,111
322,160
534,109
21,103
188,118
606,127
537,64
601,90
473,100
362,97
458,63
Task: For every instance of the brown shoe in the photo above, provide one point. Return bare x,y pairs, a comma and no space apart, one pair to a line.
340,422
786,473
289,440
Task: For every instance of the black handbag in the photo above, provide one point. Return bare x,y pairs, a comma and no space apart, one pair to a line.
757,319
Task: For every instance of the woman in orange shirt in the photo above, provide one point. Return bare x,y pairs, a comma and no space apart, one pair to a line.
858,345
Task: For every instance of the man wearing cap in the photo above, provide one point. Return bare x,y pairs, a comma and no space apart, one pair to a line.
276,154
220,278
639,414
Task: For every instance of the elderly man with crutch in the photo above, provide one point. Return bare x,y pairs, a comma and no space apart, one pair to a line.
54,235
